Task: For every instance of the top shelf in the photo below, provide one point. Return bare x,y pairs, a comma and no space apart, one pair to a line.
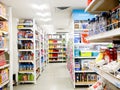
107,36
3,18
100,5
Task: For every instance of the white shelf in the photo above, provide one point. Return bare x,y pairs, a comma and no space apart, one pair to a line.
37,49
3,84
3,18
84,83
37,40
105,36
3,49
111,78
24,61
25,39
3,31
4,66
37,58
29,71
100,5
55,43
56,39
25,24
25,49
57,48
24,28
27,81
89,71
55,52
86,57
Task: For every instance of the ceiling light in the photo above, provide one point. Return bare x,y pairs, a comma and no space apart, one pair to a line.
45,14
41,7
45,19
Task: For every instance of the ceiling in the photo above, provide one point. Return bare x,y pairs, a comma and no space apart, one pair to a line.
60,18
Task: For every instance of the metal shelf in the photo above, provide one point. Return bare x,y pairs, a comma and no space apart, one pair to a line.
3,84
84,83
26,81
4,66
25,28
24,61
86,57
29,71
25,49
3,18
111,78
87,71
100,5
107,36
25,24
25,39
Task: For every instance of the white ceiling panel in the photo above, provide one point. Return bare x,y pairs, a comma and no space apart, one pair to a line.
60,19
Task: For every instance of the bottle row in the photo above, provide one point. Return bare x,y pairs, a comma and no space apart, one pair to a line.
85,77
26,66
57,55
25,44
25,55
25,34
56,50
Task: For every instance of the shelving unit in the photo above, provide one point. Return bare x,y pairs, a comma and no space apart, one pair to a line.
28,51
57,47
107,36
42,58
46,47
100,5
80,55
5,48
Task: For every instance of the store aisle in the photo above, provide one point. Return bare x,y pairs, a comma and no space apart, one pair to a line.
55,77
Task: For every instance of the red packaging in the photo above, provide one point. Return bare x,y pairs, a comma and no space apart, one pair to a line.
89,1
2,58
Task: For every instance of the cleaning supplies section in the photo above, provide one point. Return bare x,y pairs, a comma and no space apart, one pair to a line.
102,28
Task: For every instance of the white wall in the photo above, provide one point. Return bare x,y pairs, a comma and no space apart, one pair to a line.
15,52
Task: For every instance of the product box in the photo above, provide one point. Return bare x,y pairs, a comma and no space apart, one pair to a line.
85,54
94,54
3,26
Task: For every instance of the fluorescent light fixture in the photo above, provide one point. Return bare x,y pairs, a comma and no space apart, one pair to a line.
45,19
44,14
41,7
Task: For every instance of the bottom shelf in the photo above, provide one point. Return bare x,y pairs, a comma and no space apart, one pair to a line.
26,81
84,83
53,61
3,84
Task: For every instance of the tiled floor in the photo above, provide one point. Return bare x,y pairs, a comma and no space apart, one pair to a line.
55,77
